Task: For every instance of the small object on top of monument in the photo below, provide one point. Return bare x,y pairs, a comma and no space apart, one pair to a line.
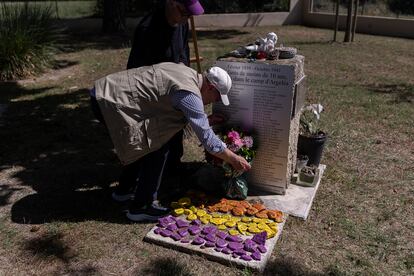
286,52
264,48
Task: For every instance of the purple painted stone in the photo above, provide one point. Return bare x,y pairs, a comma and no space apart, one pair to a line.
221,243
232,238
260,238
256,256
194,230
165,233
235,245
226,251
157,230
239,252
182,223
209,230
209,244
172,227
175,236
198,241
246,258
185,240
165,221
222,235
162,224
250,246
211,237
182,232
262,248
196,222
249,242
218,249
170,219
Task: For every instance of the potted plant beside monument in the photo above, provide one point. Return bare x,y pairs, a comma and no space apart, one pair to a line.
311,139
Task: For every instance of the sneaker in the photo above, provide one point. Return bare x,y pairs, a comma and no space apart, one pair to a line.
147,213
118,197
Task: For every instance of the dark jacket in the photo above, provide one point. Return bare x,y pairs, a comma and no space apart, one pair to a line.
156,41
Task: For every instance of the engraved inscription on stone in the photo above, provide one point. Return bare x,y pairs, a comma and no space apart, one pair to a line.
261,100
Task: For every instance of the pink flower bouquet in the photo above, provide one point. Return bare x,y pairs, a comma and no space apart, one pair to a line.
238,142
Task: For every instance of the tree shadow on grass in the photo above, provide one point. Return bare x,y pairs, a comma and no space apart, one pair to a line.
79,34
288,267
403,92
219,34
51,143
73,42
164,266
49,245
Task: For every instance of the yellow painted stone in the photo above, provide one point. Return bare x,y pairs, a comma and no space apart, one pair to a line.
201,213
230,223
188,211
254,230
178,212
208,216
217,221
270,234
274,228
216,215
242,227
204,221
193,208
273,224
227,217
192,217
246,219
222,227
261,226
235,219
257,220
184,201
234,232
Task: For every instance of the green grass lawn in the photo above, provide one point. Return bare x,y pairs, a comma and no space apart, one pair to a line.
57,167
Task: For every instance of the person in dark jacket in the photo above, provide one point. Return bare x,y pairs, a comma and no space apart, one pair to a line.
162,36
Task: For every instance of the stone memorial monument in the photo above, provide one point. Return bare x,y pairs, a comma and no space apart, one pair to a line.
266,98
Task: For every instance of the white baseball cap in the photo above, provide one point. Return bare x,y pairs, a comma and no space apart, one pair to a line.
221,81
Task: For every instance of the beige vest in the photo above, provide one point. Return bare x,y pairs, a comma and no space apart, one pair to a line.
137,109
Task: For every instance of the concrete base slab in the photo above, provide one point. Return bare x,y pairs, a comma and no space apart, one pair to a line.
296,202
211,254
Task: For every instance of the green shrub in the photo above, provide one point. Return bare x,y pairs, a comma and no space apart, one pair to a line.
26,39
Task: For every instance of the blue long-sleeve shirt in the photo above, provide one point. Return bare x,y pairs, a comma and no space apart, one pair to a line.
193,109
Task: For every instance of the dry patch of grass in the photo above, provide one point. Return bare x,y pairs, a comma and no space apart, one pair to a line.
57,167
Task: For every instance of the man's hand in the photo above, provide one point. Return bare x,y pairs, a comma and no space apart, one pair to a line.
237,162
216,119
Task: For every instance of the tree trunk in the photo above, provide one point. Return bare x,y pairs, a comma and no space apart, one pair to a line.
336,20
363,7
354,22
114,16
348,30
